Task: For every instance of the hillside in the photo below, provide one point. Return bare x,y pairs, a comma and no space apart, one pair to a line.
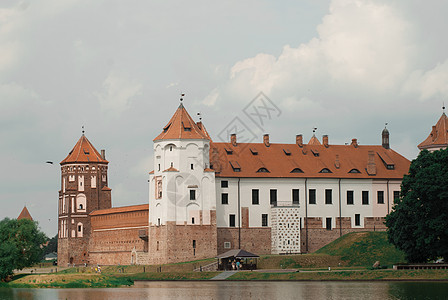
363,249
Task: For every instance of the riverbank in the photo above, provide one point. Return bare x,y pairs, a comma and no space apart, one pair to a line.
76,280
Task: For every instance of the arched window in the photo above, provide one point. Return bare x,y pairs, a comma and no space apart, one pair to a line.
354,171
325,170
296,170
263,170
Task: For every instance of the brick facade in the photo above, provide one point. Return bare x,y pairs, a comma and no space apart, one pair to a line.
256,240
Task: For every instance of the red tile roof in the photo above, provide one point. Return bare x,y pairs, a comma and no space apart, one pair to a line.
83,152
182,126
257,160
438,136
121,209
314,141
25,214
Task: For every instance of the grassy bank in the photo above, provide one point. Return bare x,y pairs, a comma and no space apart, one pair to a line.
346,275
364,249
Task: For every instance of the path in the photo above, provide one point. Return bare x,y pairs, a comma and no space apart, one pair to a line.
223,275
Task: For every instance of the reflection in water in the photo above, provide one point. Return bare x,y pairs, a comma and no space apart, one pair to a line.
244,290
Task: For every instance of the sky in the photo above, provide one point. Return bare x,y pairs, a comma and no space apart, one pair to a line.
345,67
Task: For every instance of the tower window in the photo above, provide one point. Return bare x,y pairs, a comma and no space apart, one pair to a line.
192,166
80,206
171,148
192,220
192,194
194,244
159,167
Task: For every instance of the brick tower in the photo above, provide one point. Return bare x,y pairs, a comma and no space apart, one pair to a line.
83,189
182,199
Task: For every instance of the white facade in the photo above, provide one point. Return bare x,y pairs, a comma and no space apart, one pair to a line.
181,189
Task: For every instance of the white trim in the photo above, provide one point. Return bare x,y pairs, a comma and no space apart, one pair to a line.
121,228
61,217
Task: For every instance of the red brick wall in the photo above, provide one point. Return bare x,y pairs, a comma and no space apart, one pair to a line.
319,237
256,240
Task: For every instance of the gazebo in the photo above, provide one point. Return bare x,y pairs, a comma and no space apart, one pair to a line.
229,260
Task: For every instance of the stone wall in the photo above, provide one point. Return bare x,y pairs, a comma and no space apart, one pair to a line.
319,236
255,239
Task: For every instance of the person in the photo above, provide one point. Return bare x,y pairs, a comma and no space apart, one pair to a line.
233,265
238,265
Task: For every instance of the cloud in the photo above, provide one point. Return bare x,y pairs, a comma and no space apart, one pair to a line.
118,90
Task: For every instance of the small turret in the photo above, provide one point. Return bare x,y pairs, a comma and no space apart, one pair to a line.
385,138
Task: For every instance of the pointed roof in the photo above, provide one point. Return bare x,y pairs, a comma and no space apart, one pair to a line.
181,126
25,214
438,138
83,152
314,141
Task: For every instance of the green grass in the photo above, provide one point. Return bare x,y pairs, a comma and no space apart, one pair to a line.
364,249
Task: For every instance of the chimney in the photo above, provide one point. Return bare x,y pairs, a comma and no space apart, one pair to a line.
325,141
371,166
355,143
266,140
233,139
299,140
103,154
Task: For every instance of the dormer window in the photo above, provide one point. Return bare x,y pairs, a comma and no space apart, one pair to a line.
228,150
325,170
235,166
165,129
354,171
315,153
86,151
254,151
287,152
187,127
296,170
263,170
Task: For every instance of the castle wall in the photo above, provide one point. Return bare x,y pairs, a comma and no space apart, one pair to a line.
255,240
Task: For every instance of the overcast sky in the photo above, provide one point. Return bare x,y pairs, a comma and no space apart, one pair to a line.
345,67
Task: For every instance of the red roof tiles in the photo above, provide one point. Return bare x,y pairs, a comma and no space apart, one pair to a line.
438,136
308,161
120,209
25,214
182,126
83,152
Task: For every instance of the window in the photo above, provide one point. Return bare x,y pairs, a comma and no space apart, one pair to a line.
191,166
365,197
273,197
227,245
380,197
328,225
264,220
396,194
194,244
171,148
158,222
263,170
325,170
350,198
296,170
295,196
312,195
224,184
357,220
192,220
224,198
159,167
80,207
255,197
79,228
354,171
232,220
192,194
328,196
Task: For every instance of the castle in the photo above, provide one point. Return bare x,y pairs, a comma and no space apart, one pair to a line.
207,197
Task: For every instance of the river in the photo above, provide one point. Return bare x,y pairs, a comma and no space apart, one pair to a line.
244,290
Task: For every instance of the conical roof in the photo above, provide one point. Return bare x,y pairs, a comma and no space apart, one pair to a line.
314,141
181,126
438,137
83,152
25,214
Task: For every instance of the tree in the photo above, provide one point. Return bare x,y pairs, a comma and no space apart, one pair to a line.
418,222
52,245
20,245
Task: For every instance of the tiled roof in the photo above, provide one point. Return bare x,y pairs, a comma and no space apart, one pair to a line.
121,209
314,141
182,126
438,136
25,214
106,188
83,152
171,169
310,161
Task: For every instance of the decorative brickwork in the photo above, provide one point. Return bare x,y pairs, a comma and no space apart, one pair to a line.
285,232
